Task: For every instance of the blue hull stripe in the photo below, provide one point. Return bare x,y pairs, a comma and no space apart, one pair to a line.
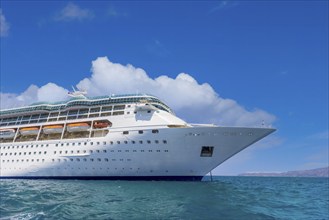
155,178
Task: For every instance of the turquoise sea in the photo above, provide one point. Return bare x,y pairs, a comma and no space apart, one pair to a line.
224,198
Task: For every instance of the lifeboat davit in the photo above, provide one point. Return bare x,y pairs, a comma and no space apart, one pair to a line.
53,129
78,127
29,131
101,124
7,133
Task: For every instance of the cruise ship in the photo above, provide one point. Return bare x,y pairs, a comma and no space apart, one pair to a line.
127,137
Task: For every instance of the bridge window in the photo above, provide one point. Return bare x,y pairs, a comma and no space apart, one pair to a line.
207,151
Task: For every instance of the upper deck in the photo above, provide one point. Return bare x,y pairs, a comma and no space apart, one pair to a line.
75,108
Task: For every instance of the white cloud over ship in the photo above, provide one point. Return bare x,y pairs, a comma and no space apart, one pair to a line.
188,98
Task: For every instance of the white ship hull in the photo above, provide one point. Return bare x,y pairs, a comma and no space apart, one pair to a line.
163,160
149,144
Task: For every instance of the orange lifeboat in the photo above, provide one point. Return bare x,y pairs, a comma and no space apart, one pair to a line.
7,133
101,124
29,131
53,129
78,127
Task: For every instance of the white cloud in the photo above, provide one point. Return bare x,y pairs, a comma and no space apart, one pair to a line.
4,26
49,92
190,100
72,12
52,93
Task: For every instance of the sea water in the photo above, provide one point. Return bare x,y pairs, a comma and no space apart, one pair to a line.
223,198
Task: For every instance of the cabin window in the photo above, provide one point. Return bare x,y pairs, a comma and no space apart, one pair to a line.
126,132
207,151
140,132
155,131
164,141
118,113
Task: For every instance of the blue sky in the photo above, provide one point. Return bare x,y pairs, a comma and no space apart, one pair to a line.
263,59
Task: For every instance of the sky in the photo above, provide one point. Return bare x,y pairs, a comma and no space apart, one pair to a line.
231,63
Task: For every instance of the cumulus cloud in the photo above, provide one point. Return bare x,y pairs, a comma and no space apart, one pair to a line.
72,12
4,26
49,93
190,100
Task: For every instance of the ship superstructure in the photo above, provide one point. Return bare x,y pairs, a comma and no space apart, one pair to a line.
134,136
